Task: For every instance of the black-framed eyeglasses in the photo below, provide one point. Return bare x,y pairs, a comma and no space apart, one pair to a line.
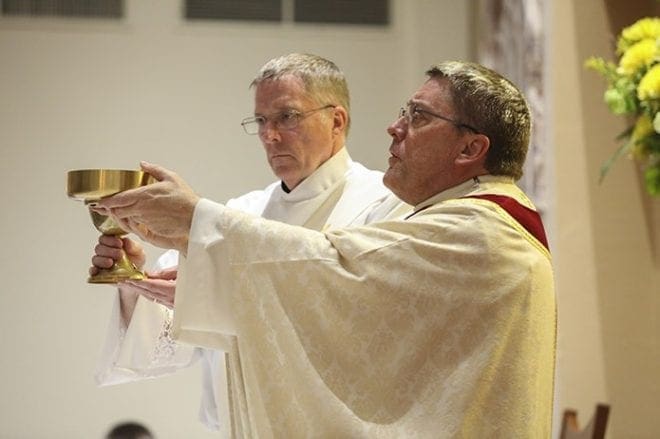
284,120
414,115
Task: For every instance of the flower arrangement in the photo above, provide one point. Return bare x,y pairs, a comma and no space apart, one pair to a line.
633,90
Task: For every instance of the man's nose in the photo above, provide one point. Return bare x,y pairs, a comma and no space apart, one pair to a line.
269,132
397,129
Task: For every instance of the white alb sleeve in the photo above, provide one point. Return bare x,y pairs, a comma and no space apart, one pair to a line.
144,349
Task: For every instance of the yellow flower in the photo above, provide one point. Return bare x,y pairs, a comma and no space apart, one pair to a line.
633,90
640,30
643,128
638,55
649,86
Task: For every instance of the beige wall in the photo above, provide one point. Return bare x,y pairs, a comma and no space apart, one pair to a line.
95,94
608,277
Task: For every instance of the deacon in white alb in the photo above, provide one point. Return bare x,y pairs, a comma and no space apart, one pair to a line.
302,119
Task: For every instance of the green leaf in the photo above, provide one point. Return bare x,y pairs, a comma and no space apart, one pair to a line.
652,180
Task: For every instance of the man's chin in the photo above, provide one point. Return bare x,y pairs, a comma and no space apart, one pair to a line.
389,178
393,183
290,176
282,165
281,168
390,182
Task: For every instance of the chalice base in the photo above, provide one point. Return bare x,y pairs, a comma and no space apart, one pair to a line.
122,270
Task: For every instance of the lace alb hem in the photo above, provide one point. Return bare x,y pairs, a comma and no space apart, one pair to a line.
165,345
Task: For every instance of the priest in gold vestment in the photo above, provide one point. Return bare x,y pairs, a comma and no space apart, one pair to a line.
439,325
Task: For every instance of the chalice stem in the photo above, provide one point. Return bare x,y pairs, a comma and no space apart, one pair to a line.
122,270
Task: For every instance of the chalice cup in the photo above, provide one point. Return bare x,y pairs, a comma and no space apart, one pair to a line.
90,185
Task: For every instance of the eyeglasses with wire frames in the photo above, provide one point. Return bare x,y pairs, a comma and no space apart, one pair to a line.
414,115
284,120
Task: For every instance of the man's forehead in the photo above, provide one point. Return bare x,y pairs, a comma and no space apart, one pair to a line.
281,93
432,92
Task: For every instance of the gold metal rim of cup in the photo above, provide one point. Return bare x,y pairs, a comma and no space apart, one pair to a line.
93,184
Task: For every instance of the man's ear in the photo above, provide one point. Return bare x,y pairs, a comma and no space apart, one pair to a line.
339,119
475,150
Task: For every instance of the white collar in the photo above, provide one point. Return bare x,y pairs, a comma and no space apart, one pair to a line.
328,174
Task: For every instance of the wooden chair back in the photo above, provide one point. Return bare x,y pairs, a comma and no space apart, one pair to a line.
595,429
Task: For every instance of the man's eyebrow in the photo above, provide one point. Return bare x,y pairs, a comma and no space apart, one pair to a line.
279,111
417,103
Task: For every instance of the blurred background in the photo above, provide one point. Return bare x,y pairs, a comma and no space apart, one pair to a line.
167,81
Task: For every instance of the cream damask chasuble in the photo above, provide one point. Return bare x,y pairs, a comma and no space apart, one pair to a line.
442,325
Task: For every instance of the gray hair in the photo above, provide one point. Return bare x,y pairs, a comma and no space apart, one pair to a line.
321,78
487,101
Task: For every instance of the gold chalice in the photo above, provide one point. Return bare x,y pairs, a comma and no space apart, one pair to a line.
90,185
